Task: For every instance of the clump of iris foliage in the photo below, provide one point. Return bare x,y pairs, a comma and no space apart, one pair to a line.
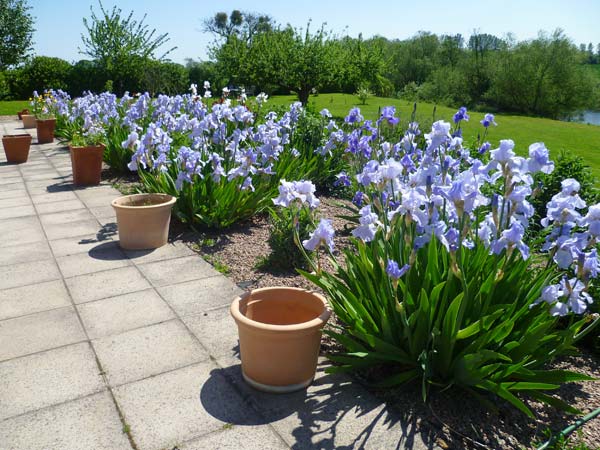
221,158
439,284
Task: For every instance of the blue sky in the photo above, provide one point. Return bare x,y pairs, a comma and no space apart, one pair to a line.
59,22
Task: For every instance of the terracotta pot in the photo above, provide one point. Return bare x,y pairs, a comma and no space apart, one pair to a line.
87,164
143,220
23,111
280,336
45,130
28,120
16,147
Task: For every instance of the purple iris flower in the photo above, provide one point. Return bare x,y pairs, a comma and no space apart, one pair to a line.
394,271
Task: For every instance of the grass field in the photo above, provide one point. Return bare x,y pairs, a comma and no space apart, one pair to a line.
10,108
580,139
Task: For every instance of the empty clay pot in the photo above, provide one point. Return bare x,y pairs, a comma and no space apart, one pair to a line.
87,164
143,220
16,147
45,130
28,120
280,336
23,111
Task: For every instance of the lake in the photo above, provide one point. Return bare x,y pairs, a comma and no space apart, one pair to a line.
591,117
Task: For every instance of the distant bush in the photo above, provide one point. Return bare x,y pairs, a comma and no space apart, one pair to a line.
165,78
86,76
42,72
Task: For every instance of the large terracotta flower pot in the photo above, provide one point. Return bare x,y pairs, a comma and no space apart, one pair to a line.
143,220
23,111
87,164
280,336
28,120
45,130
16,147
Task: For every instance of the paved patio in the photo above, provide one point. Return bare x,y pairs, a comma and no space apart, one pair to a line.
102,348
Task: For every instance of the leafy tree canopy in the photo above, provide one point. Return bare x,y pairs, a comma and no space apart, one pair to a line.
16,31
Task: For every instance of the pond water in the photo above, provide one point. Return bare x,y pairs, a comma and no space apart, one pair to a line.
591,117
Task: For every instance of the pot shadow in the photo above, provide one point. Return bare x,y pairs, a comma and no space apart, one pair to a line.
108,251
333,413
62,186
105,233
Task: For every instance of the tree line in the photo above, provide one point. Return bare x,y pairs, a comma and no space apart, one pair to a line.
545,76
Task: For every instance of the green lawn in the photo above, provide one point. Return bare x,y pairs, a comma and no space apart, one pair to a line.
580,139
11,107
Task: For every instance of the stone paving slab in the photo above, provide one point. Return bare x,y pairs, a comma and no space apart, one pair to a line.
174,407
22,274
198,296
172,271
116,315
39,331
20,200
21,230
236,437
84,424
109,283
81,244
48,378
14,193
216,330
147,351
25,300
105,348
85,263
66,217
17,211
54,207
20,253
78,228
169,251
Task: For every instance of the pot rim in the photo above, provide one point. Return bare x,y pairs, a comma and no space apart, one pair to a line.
53,119
15,136
170,202
317,322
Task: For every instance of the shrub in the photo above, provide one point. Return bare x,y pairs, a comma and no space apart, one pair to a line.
165,78
39,74
363,93
86,76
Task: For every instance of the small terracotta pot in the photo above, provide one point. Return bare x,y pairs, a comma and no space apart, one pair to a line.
28,120
23,111
16,147
143,220
86,163
45,130
280,336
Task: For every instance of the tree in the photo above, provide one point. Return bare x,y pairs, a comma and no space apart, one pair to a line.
121,46
243,25
292,60
16,31
541,77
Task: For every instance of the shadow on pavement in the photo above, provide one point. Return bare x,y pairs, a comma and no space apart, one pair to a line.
334,413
